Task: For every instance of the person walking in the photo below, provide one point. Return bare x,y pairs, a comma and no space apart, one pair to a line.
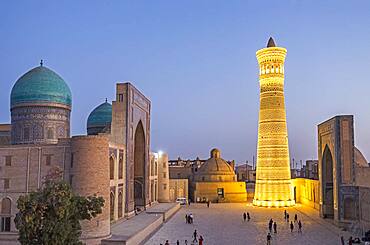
342,240
195,235
186,218
186,242
208,203
167,243
291,226
270,226
287,217
177,242
248,216
299,226
200,240
271,222
350,241
244,217
275,227
295,218
285,213
191,219
268,239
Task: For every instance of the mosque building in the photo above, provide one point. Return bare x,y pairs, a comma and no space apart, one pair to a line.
113,160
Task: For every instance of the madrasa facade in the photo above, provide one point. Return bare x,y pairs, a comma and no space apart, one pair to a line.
113,160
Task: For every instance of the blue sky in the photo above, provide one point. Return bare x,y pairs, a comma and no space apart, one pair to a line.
196,62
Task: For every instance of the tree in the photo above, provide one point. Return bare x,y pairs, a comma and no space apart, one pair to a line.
52,215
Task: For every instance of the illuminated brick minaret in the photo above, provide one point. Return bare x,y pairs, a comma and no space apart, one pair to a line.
273,183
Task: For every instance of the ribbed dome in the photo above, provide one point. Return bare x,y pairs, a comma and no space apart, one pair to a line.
40,85
216,169
101,116
216,166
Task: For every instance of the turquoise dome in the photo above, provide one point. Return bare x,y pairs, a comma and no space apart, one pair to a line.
40,85
101,116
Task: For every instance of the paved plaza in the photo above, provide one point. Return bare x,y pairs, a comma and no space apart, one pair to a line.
223,224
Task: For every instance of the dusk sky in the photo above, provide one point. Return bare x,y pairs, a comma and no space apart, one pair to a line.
195,61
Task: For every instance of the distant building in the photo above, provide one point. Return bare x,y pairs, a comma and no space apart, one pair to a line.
245,172
311,169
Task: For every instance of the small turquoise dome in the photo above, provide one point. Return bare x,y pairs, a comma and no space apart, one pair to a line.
40,85
101,116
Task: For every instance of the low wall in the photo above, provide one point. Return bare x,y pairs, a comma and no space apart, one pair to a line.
166,210
233,191
307,192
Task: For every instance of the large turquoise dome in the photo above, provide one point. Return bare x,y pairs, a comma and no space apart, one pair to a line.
40,85
99,118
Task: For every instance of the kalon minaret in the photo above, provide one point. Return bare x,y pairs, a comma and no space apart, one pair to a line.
273,183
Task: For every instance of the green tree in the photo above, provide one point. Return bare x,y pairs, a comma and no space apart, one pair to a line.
52,214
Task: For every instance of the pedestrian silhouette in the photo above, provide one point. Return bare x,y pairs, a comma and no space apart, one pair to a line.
287,217
275,227
291,226
249,217
177,242
244,217
270,225
299,227
195,235
268,239
295,218
350,241
200,240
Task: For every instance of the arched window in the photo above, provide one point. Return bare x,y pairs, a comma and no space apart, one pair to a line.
111,206
26,133
120,204
50,133
6,210
111,168
151,167
120,168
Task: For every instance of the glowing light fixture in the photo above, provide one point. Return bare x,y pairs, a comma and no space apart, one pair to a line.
273,182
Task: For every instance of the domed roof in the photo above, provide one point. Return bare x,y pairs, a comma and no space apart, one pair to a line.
40,85
216,165
101,116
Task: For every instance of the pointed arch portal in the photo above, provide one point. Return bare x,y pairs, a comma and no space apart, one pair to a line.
327,183
139,166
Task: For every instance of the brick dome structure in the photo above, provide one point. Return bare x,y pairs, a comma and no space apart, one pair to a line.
215,169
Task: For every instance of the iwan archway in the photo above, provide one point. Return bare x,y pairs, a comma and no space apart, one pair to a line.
327,184
338,192
139,166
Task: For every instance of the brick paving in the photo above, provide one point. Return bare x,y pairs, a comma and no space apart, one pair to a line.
223,224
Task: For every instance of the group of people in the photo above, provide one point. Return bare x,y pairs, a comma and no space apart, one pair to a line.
273,225
246,216
189,218
299,223
197,240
